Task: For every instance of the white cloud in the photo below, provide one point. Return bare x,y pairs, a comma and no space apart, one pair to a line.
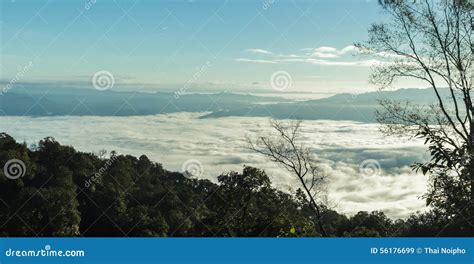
219,144
385,54
360,63
348,49
255,61
324,55
325,49
261,51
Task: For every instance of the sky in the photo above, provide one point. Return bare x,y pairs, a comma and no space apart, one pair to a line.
232,45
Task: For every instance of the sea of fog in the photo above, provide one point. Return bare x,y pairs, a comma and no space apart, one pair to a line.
343,148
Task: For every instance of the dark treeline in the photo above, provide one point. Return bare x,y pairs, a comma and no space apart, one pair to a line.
69,193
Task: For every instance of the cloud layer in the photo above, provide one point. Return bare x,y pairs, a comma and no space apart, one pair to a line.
219,144
324,55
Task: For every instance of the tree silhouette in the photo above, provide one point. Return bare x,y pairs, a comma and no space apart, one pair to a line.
284,148
136,197
432,42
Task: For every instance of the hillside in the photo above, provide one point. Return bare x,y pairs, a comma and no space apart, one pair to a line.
35,101
58,191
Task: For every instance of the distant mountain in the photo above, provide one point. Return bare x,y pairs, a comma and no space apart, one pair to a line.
355,107
33,101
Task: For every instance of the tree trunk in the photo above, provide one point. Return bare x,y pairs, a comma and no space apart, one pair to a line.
315,207
470,172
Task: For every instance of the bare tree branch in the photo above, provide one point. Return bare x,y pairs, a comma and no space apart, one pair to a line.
283,148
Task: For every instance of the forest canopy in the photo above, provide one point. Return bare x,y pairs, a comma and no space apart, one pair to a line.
64,192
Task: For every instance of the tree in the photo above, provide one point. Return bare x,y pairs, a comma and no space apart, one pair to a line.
429,224
283,148
43,201
241,190
130,196
373,224
250,207
431,41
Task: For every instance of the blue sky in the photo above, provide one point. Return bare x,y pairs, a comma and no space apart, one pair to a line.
213,44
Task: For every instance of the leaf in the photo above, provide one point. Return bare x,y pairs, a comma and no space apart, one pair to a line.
292,230
428,201
424,169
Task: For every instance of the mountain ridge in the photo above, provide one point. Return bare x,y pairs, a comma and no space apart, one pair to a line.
29,101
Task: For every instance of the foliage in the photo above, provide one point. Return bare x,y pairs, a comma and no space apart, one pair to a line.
135,197
431,41
284,147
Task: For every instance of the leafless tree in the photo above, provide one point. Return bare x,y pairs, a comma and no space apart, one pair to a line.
284,148
431,41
